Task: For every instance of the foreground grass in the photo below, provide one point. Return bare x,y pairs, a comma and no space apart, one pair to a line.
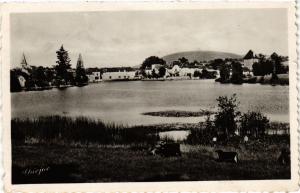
124,164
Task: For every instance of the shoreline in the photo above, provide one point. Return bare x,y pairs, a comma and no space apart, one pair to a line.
260,82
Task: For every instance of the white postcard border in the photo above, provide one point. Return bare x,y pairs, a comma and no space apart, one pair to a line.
206,186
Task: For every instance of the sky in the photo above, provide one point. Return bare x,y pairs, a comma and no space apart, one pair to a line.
126,38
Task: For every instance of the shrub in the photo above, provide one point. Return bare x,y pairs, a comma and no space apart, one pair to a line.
203,134
226,117
254,124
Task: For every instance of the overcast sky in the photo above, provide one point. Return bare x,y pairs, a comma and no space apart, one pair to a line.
127,38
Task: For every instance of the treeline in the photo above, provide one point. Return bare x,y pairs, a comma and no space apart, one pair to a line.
60,75
272,65
232,72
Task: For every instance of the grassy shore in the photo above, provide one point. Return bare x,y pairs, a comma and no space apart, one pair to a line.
124,164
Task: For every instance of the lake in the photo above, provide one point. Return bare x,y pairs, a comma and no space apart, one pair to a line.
124,102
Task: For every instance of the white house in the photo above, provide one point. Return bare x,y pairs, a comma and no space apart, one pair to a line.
22,81
177,71
174,71
94,77
154,67
148,70
249,59
119,74
188,71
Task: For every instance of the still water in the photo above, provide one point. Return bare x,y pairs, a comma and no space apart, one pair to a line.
124,102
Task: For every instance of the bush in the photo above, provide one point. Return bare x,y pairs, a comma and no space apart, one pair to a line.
253,124
203,134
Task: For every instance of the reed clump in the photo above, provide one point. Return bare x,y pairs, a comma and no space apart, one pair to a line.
60,129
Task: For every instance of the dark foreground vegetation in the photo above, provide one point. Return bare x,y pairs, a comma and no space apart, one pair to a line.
63,150
127,164
67,130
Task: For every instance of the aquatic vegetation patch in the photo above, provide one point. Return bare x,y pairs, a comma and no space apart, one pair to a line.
179,113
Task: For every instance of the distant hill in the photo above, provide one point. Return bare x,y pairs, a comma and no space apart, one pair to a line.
200,56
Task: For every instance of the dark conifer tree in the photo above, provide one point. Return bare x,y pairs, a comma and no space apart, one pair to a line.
63,64
81,77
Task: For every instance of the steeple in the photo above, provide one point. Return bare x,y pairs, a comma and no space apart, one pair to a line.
80,61
24,61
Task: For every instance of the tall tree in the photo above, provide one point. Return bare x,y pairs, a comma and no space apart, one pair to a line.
237,73
183,61
224,73
63,64
152,60
81,77
162,71
226,117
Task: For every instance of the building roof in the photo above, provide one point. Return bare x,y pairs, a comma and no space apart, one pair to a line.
117,69
24,61
250,55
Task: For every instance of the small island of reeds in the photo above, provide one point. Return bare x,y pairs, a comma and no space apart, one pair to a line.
179,113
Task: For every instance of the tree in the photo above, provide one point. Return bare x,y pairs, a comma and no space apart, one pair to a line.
197,73
15,85
162,71
176,62
81,77
183,61
153,74
152,60
237,73
254,124
262,68
204,73
226,117
216,63
194,63
63,64
224,73
277,62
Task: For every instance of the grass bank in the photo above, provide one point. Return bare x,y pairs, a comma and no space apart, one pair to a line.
124,164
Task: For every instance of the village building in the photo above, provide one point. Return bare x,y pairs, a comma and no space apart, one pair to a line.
249,59
25,68
148,71
182,72
154,68
22,81
174,71
187,71
94,76
121,73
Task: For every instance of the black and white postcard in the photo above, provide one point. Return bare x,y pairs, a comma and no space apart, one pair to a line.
149,97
